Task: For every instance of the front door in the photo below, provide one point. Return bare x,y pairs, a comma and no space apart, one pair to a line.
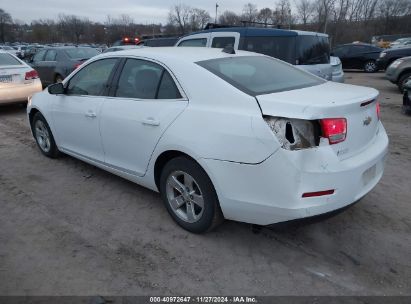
76,114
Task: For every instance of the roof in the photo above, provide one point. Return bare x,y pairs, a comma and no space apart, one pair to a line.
260,32
181,54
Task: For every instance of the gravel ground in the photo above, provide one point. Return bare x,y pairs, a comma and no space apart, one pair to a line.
68,228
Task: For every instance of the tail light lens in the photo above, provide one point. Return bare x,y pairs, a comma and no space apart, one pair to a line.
31,75
76,65
378,111
335,129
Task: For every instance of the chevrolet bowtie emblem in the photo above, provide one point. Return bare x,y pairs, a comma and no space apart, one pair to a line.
367,121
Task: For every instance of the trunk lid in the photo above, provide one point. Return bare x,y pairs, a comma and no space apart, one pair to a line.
330,100
11,76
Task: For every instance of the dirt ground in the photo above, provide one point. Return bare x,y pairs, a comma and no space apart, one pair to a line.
67,228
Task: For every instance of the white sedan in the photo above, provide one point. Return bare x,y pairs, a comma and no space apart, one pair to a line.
18,81
240,136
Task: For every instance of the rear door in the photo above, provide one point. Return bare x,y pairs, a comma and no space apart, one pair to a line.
145,101
49,66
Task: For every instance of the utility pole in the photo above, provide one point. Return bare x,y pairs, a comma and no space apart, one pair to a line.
216,11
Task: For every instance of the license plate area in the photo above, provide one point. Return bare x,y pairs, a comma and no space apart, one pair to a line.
6,78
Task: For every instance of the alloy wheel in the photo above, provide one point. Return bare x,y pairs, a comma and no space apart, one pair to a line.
184,196
42,136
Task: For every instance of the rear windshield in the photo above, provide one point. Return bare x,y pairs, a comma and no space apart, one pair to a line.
313,50
7,59
258,75
81,53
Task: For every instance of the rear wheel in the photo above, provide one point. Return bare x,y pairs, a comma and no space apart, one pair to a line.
189,195
370,66
43,136
403,80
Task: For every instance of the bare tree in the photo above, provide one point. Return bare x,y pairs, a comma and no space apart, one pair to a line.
283,13
324,10
229,18
199,19
305,10
5,21
179,16
265,15
250,12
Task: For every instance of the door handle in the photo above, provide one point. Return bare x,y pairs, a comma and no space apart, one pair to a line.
91,115
151,122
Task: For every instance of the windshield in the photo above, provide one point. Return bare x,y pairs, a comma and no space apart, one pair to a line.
313,50
81,53
257,75
6,59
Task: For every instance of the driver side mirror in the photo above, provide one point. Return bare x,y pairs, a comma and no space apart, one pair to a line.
407,85
56,89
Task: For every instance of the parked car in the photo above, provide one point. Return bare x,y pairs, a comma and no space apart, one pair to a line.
400,42
121,48
8,49
307,50
338,73
55,63
399,72
31,51
358,56
18,81
20,51
160,42
389,56
406,107
249,138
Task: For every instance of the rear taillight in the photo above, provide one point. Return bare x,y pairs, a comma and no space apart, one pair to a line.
378,111
31,75
76,65
335,129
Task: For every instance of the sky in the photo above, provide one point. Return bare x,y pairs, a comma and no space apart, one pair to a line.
143,11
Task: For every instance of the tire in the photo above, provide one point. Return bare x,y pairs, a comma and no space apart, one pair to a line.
43,136
58,78
402,80
183,186
370,66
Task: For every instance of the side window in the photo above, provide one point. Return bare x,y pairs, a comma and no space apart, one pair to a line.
358,49
39,56
51,55
222,42
167,88
341,51
139,79
200,42
92,79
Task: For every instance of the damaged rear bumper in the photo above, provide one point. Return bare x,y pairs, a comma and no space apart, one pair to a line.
272,191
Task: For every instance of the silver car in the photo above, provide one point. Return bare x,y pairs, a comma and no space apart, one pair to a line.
18,81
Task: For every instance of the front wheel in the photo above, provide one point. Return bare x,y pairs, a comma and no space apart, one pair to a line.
43,136
370,66
189,195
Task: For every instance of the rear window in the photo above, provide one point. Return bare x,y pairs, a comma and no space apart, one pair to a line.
258,75
278,47
7,59
81,53
313,49
200,42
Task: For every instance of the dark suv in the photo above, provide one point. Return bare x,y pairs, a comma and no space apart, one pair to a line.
56,63
358,56
389,56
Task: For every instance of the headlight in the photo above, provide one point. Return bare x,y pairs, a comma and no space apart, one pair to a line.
396,63
383,54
